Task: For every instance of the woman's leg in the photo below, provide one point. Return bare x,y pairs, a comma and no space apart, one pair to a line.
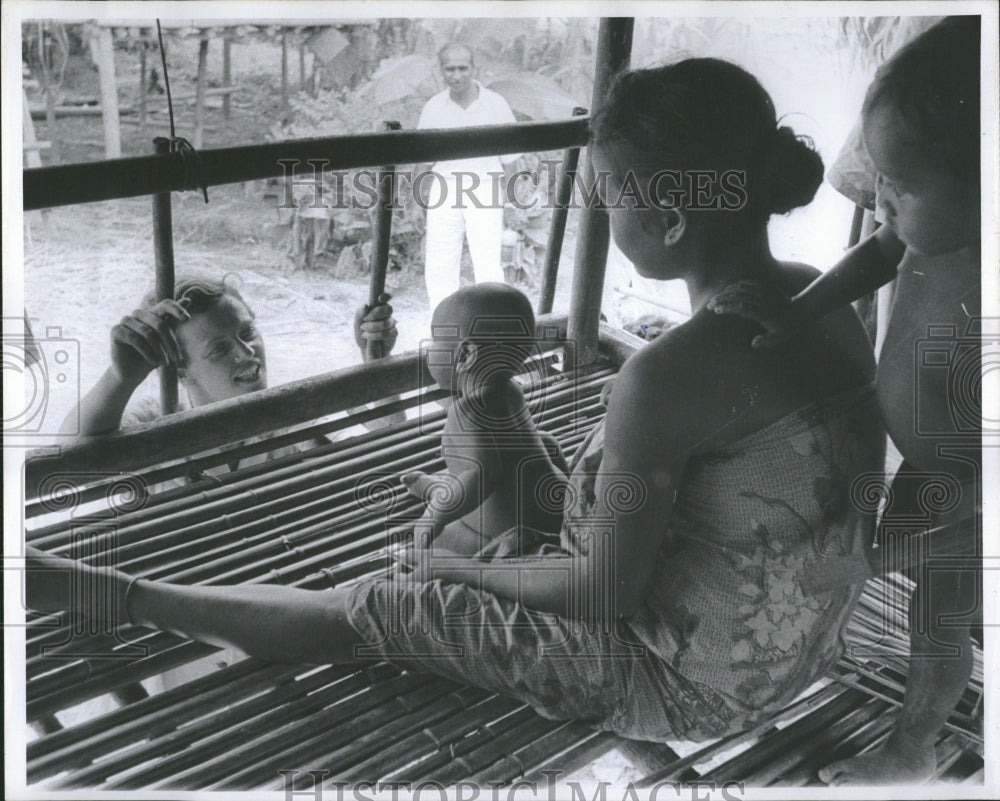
280,624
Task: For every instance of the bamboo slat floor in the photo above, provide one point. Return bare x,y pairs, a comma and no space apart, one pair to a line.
297,521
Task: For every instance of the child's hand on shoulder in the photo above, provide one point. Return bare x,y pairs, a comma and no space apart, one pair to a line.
763,305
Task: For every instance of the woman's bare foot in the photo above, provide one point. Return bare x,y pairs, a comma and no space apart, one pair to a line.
889,764
56,584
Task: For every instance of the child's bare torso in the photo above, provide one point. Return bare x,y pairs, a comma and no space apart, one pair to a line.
497,427
929,375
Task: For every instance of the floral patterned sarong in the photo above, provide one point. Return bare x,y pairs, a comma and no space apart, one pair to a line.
725,634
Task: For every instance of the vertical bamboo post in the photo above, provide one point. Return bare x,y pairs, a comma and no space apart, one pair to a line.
302,66
50,96
102,50
381,236
163,249
553,251
31,154
284,68
199,100
227,73
614,46
142,89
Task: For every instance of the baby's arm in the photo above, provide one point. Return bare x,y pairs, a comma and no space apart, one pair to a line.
864,268
472,472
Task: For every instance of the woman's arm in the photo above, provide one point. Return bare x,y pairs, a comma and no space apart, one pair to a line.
141,342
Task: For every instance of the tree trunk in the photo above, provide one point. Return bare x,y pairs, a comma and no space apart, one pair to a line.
302,66
199,100
102,51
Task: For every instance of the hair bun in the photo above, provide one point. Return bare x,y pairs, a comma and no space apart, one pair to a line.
794,173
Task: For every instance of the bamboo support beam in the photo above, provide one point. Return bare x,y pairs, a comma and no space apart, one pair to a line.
227,74
67,184
163,251
381,237
614,47
557,230
238,418
199,99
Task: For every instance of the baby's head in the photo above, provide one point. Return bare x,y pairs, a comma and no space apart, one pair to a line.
222,350
921,128
482,335
699,142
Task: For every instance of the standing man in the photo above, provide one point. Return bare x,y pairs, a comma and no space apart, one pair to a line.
463,201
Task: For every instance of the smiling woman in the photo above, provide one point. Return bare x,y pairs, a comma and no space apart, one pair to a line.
207,331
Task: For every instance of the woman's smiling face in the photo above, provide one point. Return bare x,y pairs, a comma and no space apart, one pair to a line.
223,352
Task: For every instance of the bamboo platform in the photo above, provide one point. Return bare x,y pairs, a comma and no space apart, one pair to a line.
324,517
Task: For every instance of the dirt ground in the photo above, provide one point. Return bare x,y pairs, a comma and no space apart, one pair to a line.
85,267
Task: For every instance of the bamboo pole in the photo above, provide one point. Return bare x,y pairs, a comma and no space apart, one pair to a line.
557,230
199,101
237,418
142,90
31,154
227,44
284,69
67,184
163,251
50,98
381,237
614,46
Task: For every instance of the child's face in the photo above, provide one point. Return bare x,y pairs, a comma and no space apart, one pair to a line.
928,207
223,352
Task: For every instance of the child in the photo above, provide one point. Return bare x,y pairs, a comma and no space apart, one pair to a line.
921,129
499,467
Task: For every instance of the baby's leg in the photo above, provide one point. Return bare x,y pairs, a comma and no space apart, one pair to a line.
554,450
460,538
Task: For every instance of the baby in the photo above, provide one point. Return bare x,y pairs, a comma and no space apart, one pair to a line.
500,469
921,129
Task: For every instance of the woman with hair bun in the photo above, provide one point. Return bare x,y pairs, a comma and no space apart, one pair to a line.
676,601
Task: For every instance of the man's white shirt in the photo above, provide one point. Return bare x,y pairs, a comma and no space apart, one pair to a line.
488,109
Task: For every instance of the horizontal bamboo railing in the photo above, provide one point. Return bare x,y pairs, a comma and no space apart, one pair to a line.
269,410
67,184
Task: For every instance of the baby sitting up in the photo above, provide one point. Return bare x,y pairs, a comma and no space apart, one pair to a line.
500,469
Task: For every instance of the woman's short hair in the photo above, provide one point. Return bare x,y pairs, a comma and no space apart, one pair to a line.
200,292
933,84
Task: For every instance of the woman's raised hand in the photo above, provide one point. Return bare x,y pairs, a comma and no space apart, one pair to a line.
375,329
764,305
145,339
